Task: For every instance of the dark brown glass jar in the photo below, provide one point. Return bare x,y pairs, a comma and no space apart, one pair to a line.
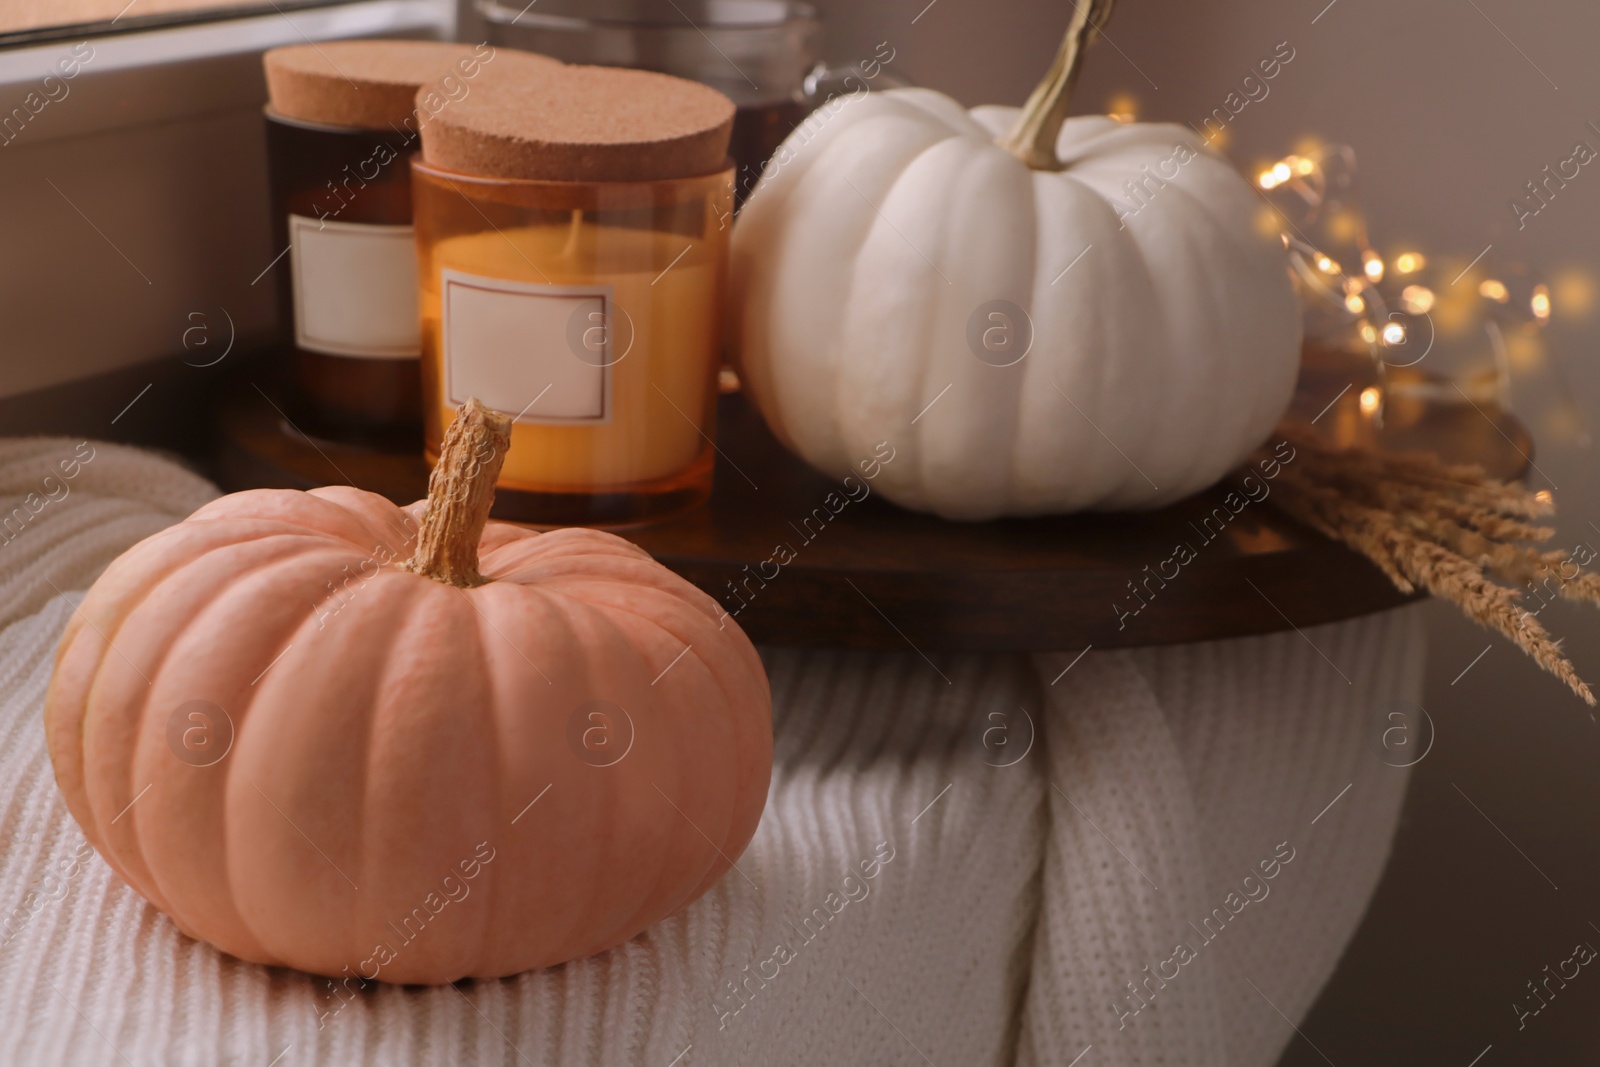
347,289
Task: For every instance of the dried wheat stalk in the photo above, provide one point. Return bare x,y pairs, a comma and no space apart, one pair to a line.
1440,527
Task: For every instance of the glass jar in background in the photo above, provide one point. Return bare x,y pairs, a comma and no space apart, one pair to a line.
765,55
591,312
348,297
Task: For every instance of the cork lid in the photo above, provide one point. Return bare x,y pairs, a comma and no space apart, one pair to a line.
596,124
372,84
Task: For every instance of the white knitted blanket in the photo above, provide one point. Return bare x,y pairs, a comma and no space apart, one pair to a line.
1166,875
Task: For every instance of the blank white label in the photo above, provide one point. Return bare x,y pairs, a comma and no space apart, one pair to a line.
539,353
355,288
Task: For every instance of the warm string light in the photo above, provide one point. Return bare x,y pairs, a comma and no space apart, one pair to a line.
1314,186
1124,107
1540,303
1417,299
1276,176
1481,324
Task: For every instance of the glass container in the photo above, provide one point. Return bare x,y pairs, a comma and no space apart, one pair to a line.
764,55
341,211
588,311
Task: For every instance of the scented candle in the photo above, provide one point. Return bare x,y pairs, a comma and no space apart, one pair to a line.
343,122
572,237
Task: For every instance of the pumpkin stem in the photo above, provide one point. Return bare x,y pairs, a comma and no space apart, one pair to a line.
1033,139
460,493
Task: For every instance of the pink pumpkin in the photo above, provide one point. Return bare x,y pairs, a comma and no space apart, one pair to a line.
309,752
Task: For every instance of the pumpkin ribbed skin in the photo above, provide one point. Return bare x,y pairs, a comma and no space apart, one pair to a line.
387,737
888,221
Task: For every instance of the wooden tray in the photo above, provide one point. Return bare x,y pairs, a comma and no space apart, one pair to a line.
878,577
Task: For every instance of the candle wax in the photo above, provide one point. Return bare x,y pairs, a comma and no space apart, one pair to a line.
664,344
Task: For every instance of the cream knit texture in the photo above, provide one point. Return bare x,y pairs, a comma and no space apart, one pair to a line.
1038,832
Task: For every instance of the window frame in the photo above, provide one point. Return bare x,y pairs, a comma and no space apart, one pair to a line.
157,159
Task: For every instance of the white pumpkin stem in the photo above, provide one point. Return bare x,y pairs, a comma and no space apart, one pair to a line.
1033,139
460,493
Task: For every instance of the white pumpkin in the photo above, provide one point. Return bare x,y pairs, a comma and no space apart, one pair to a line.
878,269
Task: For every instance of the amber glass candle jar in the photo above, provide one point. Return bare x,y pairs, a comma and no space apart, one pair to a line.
587,307
342,125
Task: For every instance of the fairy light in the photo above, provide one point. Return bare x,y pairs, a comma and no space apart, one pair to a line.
1494,290
1543,496
1540,303
1124,107
1276,175
1417,298
1394,279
